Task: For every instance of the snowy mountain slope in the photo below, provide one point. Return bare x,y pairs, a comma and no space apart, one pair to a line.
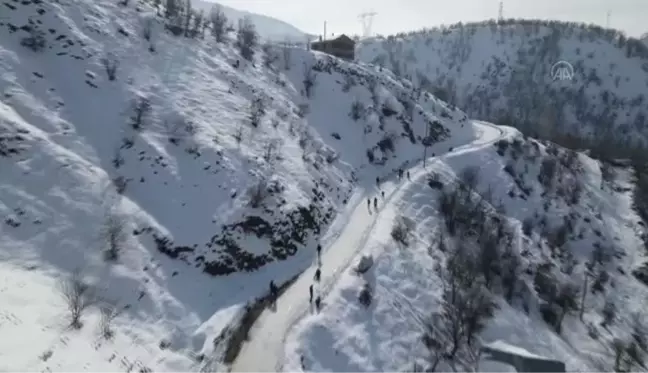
503,72
265,349
179,188
554,232
268,28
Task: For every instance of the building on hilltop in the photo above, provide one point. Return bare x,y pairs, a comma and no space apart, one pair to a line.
342,47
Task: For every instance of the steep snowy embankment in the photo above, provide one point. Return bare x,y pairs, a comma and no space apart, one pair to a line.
176,177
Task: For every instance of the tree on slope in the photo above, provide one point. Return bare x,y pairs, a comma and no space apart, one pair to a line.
218,23
246,38
197,28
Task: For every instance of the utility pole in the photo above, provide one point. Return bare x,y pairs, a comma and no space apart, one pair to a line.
607,20
500,15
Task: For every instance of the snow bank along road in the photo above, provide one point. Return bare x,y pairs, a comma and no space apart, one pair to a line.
264,351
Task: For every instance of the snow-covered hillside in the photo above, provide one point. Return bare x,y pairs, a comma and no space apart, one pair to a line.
268,28
554,214
174,177
503,73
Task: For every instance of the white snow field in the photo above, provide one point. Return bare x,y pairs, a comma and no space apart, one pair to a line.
165,163
406,288
264,350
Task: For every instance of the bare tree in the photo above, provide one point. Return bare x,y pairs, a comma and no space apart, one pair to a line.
257,111
238,135
108,313
270,150
270,55
115,235
609,313
258,193
78,296
218,23
147,28
197,28
141,109
286,56
246,38
111,64
469,177
466,304
309,80
188,15
511,270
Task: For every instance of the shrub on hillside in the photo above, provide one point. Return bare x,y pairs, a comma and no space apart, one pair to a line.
357,110
400,231
111,64
35,41
366,295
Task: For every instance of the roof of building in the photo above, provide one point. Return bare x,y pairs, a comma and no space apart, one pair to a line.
339,38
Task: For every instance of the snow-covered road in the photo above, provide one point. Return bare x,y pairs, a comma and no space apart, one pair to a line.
264,352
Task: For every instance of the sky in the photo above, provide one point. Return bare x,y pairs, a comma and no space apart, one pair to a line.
393,16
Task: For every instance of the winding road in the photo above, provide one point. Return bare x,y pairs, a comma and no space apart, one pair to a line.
265,350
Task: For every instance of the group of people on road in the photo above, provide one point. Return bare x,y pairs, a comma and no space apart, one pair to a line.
382,192
317,277
318,272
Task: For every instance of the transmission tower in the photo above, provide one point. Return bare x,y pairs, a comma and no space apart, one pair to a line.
500,15
607,20
367,20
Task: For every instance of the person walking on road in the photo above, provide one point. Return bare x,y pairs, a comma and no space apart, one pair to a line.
369,202
317,303
377,180
400,173
319,251
375,202
382,193
408,176
318,273
310,289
